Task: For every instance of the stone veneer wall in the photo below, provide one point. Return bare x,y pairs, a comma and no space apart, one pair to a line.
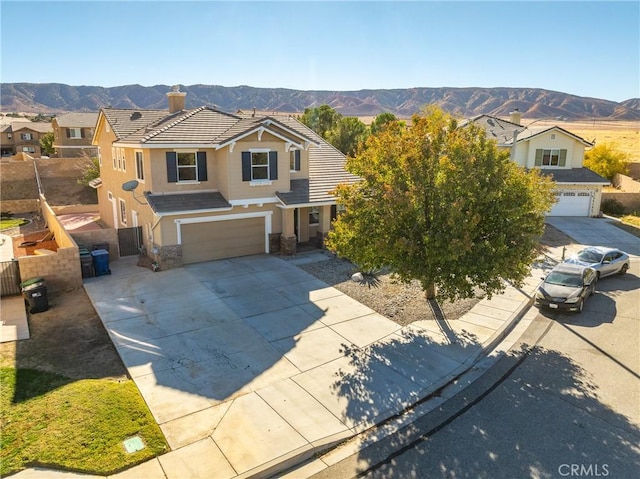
167,257
288,244
61,270
274,242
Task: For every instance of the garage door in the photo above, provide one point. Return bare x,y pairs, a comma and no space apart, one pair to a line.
572,203
222,239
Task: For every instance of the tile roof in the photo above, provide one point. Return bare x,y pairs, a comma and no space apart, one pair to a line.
496,129
206,125
39,126
181,202
77,120
574,175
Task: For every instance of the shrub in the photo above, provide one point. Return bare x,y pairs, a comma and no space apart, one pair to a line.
611,206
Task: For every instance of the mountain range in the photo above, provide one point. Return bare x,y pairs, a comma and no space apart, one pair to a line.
48,98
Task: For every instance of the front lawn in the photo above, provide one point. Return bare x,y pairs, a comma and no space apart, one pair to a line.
8,223
53,421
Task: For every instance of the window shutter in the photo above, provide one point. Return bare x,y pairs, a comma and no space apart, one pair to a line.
201,161
273,165
538,157
297,160
172,167
246,166
563,158
82,135
68,132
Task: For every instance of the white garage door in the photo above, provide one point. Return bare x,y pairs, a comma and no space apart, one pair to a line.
572,203
222,239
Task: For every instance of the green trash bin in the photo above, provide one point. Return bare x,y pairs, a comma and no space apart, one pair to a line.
35,293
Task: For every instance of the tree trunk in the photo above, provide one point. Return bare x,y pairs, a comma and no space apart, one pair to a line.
430,291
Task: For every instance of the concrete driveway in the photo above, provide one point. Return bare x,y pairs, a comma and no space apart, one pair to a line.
247,362
596,232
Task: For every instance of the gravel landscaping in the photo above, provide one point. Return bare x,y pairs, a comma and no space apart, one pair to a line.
402,303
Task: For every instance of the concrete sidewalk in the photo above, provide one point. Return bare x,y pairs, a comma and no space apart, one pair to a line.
310,395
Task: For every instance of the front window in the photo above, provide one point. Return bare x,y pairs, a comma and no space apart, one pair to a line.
294,160
28,149
139,166
551,157
123,212
75,133
260,165
314,215
26,136
187,168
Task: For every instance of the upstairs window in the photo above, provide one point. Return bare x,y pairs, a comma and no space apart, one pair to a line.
294,160
139,166
26,136
186,167
259,166
9,136
123,212
74,133
551,157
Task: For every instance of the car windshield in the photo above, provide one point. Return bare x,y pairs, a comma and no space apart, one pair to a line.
590,256
564,279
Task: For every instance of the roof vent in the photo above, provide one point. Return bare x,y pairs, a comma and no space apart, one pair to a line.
135,115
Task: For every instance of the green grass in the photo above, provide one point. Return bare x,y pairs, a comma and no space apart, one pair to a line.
633,220
7,223
49,420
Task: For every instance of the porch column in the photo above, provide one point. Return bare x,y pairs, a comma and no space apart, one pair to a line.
325,223
288,238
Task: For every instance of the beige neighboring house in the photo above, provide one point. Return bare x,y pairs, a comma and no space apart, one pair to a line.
204,184
23,137
72,135
558,153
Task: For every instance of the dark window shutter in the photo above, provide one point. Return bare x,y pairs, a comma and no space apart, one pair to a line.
68,132
297,160
172,167
201,160
246,166
273,165
82,135
538,157
563,158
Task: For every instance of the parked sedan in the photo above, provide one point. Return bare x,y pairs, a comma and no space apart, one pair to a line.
605,261
567,287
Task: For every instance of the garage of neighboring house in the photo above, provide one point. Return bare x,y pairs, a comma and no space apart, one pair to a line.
572,203
222,238
578,191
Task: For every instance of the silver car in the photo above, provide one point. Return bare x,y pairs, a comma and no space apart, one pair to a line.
606,261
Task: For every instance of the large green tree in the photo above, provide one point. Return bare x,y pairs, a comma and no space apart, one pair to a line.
606,160
440,204
46,144
321,119
347,134
380,121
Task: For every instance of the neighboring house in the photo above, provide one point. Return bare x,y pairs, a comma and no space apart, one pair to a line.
72,135
204,184
23,136
557,153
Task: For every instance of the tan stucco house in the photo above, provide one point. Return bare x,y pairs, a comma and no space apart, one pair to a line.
72,135
23,137
204,184
557,153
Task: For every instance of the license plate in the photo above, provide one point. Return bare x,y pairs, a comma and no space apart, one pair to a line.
553,306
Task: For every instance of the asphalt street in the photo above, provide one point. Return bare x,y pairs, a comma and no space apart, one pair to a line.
564,402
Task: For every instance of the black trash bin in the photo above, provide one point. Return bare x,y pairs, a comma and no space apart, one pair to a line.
35,293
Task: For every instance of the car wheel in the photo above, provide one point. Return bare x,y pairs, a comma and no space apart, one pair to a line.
624,268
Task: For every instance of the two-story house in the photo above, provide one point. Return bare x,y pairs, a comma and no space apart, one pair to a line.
205,184
72,135
557,153
23,136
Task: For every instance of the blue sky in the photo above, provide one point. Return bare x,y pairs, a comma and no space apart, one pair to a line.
584,48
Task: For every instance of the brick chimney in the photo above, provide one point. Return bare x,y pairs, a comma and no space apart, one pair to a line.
176,99
515,116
